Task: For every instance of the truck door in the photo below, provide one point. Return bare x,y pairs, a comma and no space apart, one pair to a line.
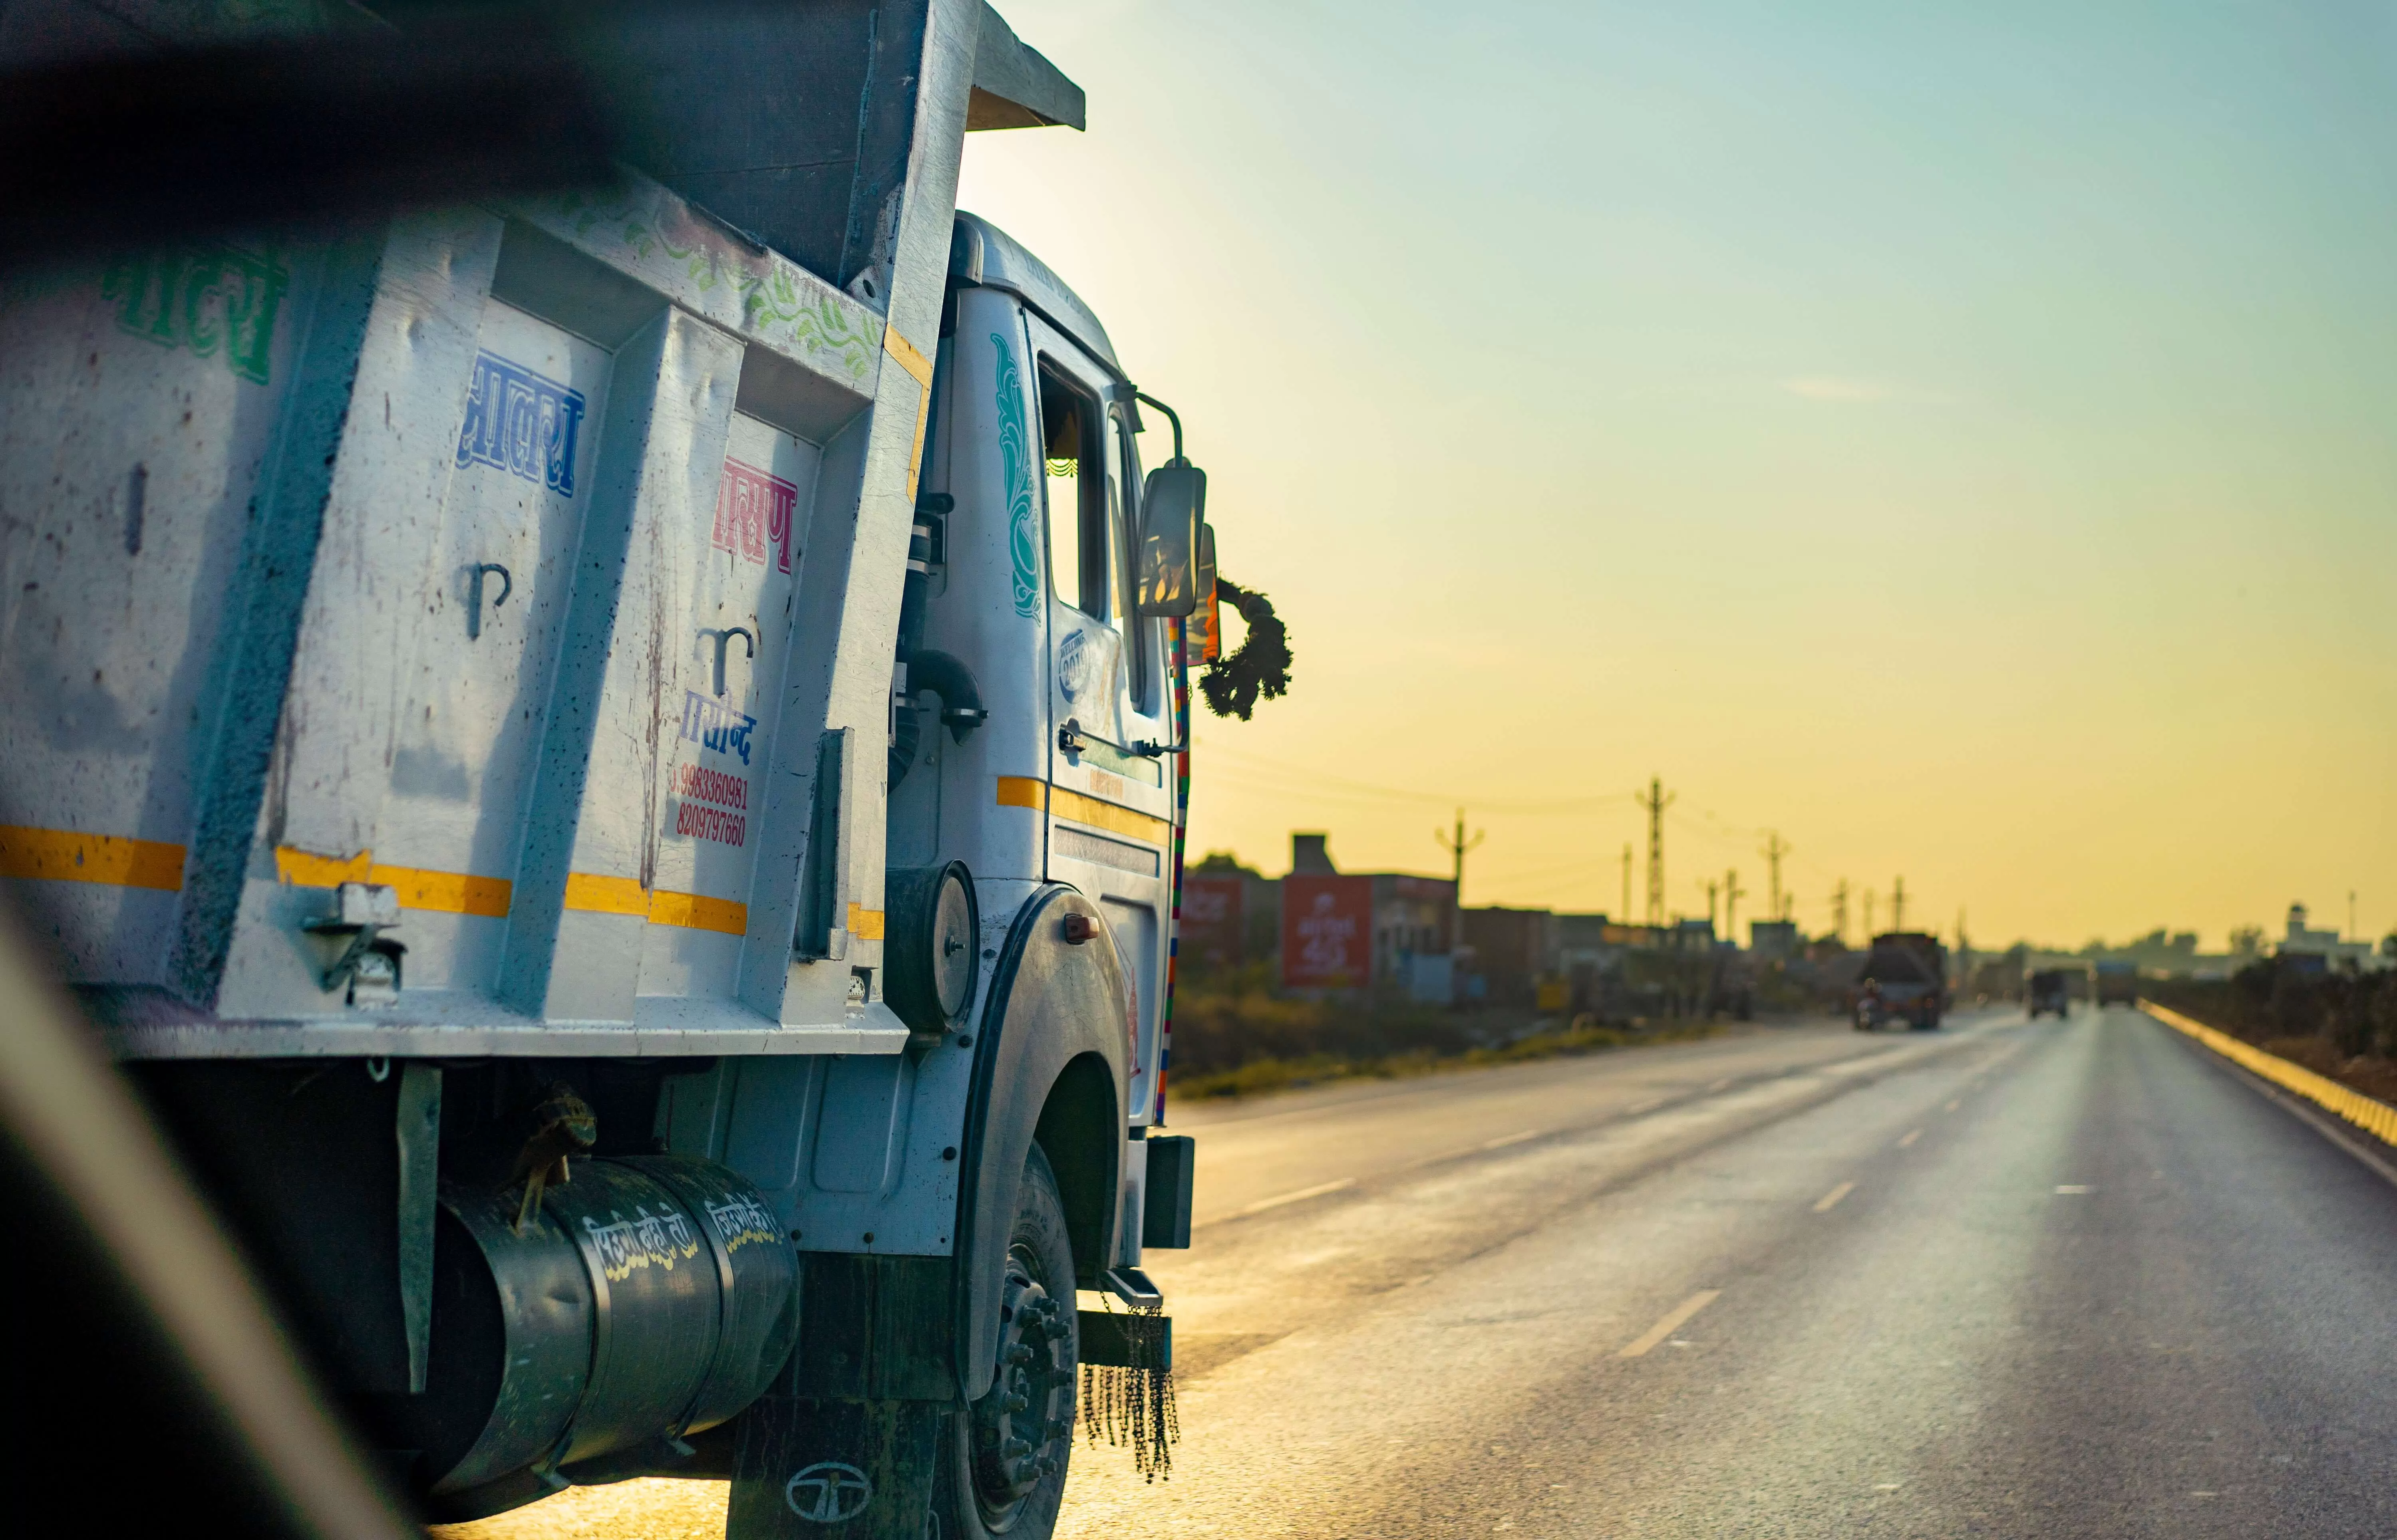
1110,806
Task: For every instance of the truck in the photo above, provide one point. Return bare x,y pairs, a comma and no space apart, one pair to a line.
611,764
2116,984
1904,974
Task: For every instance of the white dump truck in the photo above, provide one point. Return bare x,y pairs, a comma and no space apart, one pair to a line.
612,765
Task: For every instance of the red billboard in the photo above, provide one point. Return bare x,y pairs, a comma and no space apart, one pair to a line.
1327,932
1211,920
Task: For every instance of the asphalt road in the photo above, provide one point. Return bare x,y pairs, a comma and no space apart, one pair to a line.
2071,1279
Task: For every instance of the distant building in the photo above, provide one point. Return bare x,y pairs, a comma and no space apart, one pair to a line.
1581,935
1773,941
1512,947
2303,942
1352,930
1231,914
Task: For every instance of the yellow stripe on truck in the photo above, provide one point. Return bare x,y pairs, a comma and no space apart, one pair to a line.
593,893
419,887
2373,1116
65,856
698,911
461,893
1076,807
920,367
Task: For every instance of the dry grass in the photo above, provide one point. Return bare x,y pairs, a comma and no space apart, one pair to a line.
1262,1076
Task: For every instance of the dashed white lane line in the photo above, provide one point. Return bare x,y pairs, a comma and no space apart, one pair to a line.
1505,1141
1299,1196
2074,1191
1823,1204
1673,1320
1910,1138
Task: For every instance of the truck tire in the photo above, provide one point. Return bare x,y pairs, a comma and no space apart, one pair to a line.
1009,1449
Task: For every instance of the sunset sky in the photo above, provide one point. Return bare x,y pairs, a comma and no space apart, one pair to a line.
1962,438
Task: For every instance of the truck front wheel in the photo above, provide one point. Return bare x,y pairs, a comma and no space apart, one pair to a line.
1009,1449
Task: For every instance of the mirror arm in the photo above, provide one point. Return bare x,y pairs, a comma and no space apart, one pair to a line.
1171,417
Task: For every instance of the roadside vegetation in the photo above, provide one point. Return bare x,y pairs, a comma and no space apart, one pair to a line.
1234,1035
2337,1024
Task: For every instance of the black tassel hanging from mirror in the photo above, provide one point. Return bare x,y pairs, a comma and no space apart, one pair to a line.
1261,667
1134,1404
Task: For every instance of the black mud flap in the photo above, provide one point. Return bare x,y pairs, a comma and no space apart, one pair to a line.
827,1469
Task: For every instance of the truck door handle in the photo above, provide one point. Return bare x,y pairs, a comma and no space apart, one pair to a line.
723,640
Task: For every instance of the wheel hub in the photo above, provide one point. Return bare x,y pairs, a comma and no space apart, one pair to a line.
1018,1427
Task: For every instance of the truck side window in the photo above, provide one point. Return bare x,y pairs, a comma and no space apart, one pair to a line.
1123,488
1075,484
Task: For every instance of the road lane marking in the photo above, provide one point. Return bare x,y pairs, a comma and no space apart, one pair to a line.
1299,1196
1673,1322
1910,1138
1823,1204
2074,1191
1512,1139
1952,1105
1722,1084
1645,1107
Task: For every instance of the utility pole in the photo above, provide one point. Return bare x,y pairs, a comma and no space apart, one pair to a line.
1456,848
1840,911
1897,906
1776,848
1623,915
2351,914
1869,917
1733,894
1656,802
1714,897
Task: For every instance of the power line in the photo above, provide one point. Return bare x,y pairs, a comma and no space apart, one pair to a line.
1319,783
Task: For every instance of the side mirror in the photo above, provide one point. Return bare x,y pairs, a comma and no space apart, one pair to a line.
1172,505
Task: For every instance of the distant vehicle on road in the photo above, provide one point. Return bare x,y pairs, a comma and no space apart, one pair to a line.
2048,993
1904,974
2118,984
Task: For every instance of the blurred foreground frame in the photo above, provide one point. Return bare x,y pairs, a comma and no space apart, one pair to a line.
168,1394
128,123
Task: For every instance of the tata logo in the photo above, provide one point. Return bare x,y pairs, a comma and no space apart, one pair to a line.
828,1492
1073,664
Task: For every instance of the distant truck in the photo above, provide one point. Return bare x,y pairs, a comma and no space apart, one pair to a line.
1905,975
2049,992
2118,984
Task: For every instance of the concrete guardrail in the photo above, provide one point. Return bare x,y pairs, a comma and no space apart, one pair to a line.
2377,1118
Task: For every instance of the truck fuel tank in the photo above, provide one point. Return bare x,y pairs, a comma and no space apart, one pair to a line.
645,1299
